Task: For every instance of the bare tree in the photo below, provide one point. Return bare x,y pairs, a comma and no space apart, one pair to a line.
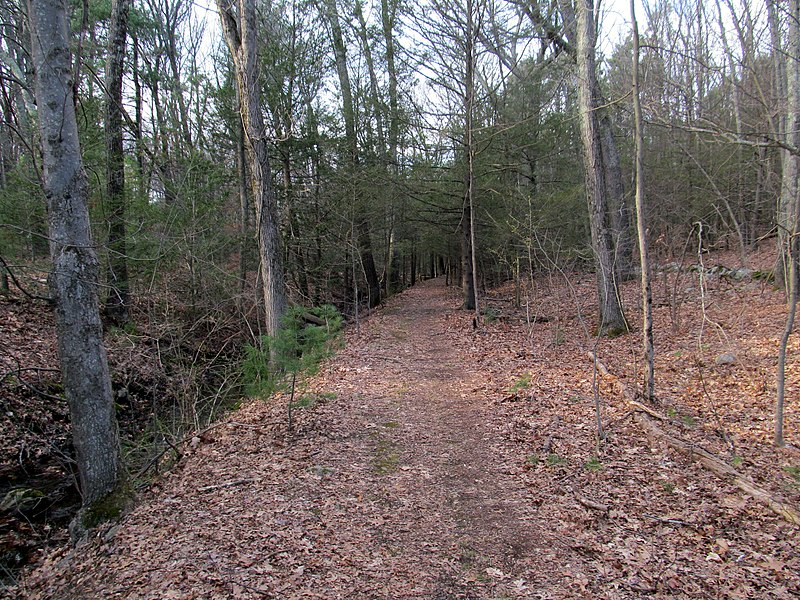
641,224
73,282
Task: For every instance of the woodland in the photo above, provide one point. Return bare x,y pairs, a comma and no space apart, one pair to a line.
448,299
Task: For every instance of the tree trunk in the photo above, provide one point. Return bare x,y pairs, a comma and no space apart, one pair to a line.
239,28
611,319
789,224
641,225
790,120
619,214
244,209
467,277
73,282
118,299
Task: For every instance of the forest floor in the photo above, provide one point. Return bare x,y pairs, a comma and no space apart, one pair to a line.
434,460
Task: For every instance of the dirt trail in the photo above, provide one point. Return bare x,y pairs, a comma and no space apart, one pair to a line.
445,505
442,462
390,490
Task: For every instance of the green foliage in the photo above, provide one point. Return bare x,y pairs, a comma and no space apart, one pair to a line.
554,460
298,348
668,487
491,314
304,401
256,374
533,459
523,383
794,472
593,464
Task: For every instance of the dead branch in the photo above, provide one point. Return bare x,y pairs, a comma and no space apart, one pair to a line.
719,468
228,484
592,504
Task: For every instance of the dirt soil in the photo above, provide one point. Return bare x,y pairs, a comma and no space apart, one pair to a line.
433,460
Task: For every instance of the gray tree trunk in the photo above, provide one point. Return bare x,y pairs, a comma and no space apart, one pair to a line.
648,346
786,87
239,27
789,208
73,282
118,298
611,318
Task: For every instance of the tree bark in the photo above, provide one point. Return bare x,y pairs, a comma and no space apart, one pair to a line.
118,298
788,133
641,225
239,28
789,208
611,319
73,282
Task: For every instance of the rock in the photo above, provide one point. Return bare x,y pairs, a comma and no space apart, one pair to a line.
726,358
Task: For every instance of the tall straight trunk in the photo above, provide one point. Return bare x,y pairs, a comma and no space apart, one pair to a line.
388,16
467,278
469,261
364,237
779,91
388,13
239,27
641,225
619,213
244,208
611,318
118,298
74,280
137,94
786,73
374,97
790,205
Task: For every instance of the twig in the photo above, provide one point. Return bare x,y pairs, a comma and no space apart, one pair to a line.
669,521
709,461
228,484
19,370
26,293
591,503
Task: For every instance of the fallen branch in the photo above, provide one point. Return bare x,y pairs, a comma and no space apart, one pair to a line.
709,461
592,504
228,484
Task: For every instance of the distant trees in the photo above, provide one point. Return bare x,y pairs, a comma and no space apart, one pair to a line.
499,144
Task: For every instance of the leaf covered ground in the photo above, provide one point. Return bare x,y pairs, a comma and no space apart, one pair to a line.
430,459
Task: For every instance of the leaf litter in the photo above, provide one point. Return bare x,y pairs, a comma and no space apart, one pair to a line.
447,462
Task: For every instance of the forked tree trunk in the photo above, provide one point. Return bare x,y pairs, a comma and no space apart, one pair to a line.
73,282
